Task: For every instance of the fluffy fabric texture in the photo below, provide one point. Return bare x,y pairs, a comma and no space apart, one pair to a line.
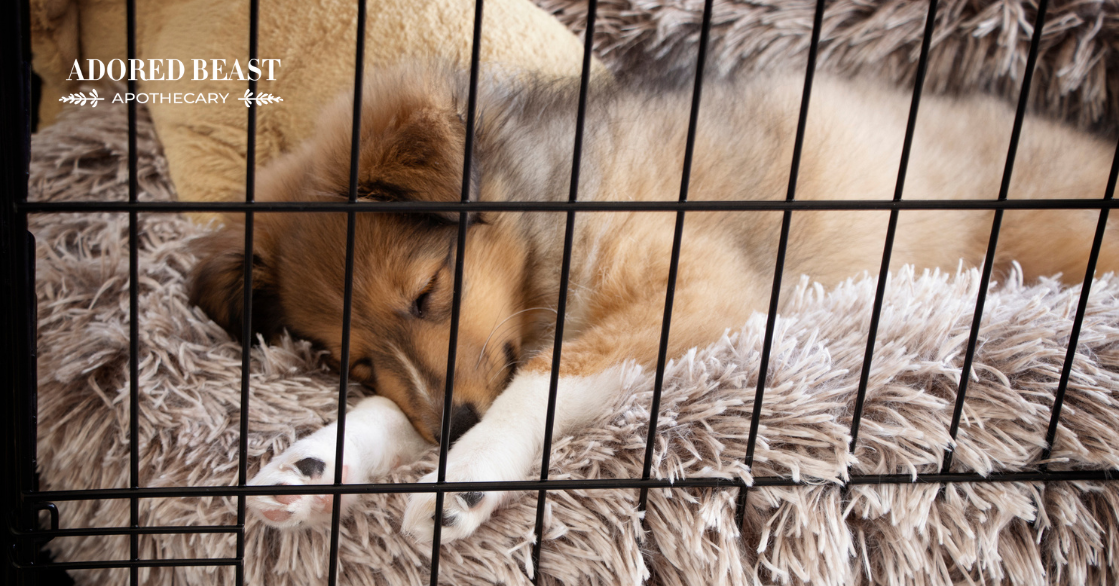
205,144
978,45
1015,533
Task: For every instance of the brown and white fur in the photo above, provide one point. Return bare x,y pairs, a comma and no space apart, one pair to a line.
412,141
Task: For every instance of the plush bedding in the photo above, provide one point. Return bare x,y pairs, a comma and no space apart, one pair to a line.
821,533
1023,533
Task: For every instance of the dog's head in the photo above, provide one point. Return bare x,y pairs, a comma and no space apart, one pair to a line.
412,140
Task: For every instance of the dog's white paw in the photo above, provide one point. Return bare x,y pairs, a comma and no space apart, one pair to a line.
378,438
504,446
308,461
463,512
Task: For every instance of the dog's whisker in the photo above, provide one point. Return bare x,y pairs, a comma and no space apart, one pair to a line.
495,328
502,369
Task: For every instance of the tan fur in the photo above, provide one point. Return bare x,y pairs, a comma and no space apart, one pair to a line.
412,144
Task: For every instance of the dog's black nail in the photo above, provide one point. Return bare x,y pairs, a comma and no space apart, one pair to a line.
311,467
471,498
448,518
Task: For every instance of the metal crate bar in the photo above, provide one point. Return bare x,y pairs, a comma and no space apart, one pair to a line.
133,565
1081,308
786,220
17,297
559,206
674,262
891,229
106,531
348,291
583,484
133,305
988,263
565,273
247,298
608,484
456,300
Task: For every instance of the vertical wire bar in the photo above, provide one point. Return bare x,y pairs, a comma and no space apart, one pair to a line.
891,230
565,272
989,261
348,294
247,299
786,220
133,308
456,300
17,300
1081,308
674,263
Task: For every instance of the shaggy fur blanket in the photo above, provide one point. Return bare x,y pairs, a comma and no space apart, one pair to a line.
977,45
1019,533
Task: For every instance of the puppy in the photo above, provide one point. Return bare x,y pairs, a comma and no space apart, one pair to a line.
412,146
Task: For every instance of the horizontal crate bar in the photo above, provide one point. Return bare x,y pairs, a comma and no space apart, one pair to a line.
592,484
560,206
105,531
100,565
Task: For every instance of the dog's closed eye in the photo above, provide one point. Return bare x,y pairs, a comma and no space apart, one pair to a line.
420,305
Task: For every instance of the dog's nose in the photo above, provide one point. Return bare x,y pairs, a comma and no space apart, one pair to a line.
463,417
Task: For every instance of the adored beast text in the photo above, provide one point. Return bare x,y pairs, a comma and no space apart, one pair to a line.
174,70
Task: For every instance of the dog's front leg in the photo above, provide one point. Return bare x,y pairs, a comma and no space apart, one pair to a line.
507,443
378,438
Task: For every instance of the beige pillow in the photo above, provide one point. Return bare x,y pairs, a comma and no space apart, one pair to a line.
205,144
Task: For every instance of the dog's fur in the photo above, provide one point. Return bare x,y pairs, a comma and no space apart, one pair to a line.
412,145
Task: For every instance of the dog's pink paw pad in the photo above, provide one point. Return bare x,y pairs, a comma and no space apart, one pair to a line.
275,515
308,462
286,499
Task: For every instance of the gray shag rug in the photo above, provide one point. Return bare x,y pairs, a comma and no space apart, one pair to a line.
978,45
1012,533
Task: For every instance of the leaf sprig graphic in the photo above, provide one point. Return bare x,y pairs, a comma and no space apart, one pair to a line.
81,99
260,99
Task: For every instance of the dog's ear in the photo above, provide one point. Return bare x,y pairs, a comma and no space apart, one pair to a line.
420,159
217,284
425,139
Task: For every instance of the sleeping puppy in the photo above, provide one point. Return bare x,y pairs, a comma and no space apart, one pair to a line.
413,136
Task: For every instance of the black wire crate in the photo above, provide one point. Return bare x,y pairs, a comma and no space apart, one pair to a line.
33,515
